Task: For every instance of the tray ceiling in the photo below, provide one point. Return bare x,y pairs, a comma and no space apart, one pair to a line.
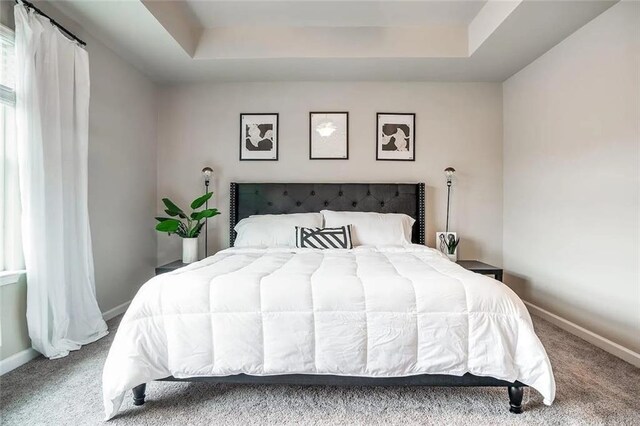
190,40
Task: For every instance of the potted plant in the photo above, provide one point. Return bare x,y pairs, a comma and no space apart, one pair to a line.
450,243
452,247
186,226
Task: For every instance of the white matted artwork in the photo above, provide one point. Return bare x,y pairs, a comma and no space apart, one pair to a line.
328,135
440,241
396,136
259,137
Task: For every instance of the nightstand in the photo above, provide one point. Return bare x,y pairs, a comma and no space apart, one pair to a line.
481,268
170,267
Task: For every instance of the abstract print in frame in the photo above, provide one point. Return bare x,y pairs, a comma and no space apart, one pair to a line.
396,136
259,137
328,135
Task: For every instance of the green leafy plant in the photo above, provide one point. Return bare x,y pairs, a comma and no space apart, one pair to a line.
181,224
452,243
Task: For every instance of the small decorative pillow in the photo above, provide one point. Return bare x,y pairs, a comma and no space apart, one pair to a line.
324,238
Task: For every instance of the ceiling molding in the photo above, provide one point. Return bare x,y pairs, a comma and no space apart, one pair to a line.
342,42
488,19
173,41
179,21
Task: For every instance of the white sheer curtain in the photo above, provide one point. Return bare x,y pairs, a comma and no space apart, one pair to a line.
52,116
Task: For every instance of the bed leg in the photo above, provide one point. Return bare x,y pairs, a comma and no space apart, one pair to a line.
515,399
138,394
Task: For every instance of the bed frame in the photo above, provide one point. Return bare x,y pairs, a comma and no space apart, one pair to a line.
276,198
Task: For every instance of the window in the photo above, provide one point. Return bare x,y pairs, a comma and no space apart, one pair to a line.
10,241
7,67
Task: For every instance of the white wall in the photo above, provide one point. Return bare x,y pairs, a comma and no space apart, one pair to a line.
571,183
122,182
14,336
122,176
456,124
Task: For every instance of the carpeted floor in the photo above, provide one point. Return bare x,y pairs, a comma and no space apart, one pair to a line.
594,388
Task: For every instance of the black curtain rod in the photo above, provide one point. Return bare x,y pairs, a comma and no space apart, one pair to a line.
53,21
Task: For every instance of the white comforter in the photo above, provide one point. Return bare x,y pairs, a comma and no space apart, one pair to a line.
374,312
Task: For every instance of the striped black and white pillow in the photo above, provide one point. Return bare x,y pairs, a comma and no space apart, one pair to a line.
324,238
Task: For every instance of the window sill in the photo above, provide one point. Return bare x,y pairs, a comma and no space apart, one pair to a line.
10,277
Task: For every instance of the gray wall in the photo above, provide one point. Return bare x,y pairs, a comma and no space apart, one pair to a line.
571,184
122,183
457,124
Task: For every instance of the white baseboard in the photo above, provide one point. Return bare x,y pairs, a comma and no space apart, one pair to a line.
591,337
16,360
22,357
112,313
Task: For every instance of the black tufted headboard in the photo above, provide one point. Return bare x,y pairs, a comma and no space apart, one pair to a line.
277,198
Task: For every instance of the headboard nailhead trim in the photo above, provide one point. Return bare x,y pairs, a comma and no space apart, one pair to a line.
233,195
421,211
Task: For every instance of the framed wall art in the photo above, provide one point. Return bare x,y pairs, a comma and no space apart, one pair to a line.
396,137
328,135
259,137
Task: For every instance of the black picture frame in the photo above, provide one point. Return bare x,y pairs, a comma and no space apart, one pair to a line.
276,140
412,139
311,157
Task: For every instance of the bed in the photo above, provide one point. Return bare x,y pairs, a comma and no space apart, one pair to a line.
279,315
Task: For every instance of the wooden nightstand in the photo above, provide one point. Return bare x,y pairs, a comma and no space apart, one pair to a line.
170,267
481,268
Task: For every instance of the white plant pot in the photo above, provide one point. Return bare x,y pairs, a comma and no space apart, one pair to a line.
189,250
453,257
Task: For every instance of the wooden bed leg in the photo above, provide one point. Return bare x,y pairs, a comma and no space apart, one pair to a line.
515,399
138,394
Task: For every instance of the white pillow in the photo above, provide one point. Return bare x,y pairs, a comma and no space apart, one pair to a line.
273,230
376,229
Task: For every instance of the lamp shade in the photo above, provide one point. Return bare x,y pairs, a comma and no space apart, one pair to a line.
207,172
449,172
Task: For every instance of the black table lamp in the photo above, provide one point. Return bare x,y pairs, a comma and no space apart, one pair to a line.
448,172
207,172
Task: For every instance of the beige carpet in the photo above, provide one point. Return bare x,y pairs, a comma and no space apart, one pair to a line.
594,388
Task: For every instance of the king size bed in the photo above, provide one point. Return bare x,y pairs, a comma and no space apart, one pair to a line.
374,314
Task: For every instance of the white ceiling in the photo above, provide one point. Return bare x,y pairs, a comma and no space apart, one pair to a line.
332,13
421,40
